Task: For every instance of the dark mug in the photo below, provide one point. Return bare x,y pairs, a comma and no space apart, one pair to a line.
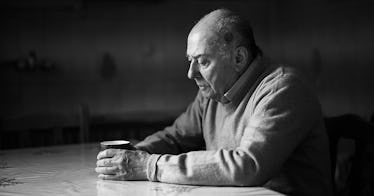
116,144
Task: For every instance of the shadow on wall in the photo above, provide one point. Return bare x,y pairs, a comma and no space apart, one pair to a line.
108,67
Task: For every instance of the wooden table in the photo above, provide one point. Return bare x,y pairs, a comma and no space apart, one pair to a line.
69,170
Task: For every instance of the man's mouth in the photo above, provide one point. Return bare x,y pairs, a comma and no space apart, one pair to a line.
202,85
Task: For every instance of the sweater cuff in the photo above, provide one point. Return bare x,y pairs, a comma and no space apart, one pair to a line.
152,167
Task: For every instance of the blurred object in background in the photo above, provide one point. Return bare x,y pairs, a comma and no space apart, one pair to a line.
30,63
352,154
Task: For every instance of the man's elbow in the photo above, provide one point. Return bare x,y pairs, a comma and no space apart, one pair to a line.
247,175
246,179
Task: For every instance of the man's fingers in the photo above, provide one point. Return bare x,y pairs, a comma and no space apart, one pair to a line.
107,170
108,153
104,163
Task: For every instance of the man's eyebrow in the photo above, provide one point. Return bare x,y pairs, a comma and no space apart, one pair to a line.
196,56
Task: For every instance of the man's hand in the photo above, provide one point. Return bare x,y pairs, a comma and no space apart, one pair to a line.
117,164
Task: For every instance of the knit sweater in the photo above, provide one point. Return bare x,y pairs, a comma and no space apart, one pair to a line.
270,133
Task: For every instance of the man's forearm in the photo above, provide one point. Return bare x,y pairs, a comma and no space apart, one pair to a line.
222,167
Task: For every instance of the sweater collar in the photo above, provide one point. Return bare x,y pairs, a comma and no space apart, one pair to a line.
248,78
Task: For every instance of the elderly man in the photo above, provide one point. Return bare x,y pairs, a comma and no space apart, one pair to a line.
250,124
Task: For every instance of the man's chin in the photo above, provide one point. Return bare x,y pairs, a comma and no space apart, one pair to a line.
206,93
209,94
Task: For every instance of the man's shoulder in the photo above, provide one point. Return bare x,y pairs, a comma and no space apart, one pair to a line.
281,72
281,75
284,80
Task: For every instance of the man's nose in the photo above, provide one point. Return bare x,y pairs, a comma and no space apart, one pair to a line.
193,71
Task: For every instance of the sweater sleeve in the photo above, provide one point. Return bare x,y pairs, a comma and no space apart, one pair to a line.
184,135
278,123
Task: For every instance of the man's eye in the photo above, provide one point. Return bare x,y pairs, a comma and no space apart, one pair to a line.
203,62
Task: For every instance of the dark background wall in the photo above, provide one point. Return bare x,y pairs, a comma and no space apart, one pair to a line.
127,58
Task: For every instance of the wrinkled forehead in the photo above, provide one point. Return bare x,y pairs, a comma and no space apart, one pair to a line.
201,41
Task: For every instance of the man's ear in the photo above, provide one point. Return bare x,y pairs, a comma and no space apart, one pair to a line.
241,58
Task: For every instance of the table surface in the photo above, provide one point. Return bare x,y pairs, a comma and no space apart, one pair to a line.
69,170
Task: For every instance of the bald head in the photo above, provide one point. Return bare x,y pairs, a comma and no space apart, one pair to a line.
226,29
210,21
